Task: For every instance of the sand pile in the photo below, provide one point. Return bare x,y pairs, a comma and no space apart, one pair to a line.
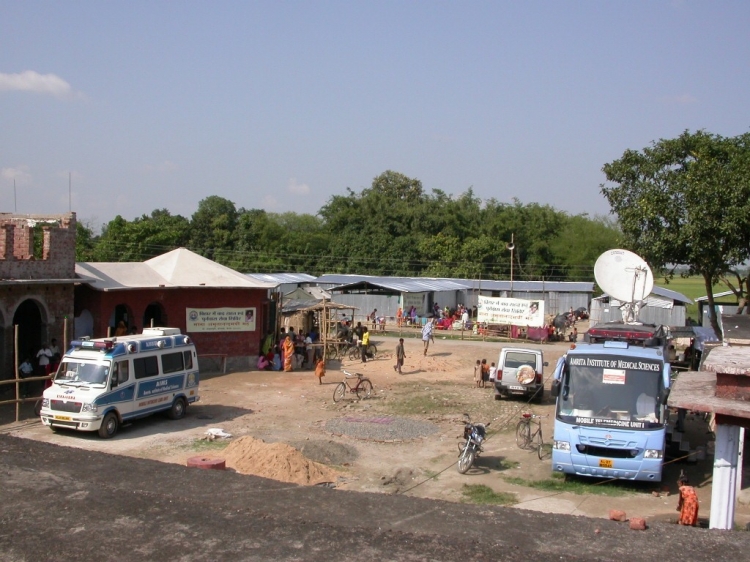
278,461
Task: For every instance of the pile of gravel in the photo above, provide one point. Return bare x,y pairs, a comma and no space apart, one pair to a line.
380,428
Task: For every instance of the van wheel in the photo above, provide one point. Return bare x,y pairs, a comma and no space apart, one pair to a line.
109,426
177,411
497,396
539,396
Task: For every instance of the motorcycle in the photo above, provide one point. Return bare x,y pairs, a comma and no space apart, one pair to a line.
474,435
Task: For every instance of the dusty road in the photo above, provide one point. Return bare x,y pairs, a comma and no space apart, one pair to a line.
433,391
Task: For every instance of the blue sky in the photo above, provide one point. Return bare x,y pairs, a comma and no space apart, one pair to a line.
281,105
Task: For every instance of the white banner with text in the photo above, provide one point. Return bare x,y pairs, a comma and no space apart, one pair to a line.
220,319
510,312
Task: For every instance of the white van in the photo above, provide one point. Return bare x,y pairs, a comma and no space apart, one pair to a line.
520,373
102,383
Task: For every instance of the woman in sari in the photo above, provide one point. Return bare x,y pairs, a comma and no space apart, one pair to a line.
288,349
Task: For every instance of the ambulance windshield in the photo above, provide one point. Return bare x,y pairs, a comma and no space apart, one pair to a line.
78,372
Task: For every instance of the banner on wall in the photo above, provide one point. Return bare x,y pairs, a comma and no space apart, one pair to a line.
220,319
417,300
510,312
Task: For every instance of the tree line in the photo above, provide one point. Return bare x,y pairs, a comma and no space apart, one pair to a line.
394,227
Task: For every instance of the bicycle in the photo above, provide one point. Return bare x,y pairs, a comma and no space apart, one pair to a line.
362,388
355,352
526,439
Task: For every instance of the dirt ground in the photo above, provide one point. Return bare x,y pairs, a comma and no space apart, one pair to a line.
293,408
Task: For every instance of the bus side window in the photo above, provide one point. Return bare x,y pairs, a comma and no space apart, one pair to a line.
188,360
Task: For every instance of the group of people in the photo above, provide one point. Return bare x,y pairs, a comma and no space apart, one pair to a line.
46,359
407,318
484,373
294,350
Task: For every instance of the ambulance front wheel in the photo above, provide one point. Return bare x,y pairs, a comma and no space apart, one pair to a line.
177,411
109,426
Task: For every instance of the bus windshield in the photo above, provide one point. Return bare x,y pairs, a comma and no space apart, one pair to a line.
82,372
612,392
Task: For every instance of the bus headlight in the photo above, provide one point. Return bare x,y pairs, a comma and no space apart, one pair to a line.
562,445
652,454
92,408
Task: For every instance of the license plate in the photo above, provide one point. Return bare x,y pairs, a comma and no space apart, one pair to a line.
62,418
606,463
516,388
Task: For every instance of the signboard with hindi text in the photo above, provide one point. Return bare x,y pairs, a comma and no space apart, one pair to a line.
221,319
510,312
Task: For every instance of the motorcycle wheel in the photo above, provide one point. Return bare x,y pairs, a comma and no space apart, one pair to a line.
465,460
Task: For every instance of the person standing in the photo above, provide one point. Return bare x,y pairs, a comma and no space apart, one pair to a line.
687,505
26,369
288,349
477,373
400,356
427,334
43,357
365,343
320,370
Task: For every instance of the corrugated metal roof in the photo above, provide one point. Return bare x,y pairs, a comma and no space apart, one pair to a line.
426,284
662,292
281,278
716,296
178,268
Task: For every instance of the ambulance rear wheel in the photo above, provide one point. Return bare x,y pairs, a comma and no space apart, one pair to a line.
109,426
177,411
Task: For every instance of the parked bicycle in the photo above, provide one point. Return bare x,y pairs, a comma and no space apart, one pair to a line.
531,438
359,385
355,352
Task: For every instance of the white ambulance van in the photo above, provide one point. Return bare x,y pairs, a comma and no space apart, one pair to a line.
102,383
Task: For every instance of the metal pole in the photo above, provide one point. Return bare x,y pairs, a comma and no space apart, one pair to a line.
15,368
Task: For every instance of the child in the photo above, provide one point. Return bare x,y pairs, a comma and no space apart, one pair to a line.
320,370
493,373
477,373
485,372
687,505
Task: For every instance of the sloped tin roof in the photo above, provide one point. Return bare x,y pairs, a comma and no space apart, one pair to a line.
178,268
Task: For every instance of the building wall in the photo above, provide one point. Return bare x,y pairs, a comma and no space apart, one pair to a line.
49,290
241,348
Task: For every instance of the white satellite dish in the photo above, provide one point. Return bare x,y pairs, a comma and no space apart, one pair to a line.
624,276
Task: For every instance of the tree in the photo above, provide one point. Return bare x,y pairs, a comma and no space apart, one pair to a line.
213,228
685,201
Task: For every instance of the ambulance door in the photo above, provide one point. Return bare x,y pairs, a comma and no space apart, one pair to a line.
123,386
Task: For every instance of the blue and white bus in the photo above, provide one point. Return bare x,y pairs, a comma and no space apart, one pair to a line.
611,413
102,383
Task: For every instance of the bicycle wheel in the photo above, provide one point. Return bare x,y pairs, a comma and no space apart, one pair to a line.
544,451
523,434
372,349
364,389
332,351
354,353
536,438
339,392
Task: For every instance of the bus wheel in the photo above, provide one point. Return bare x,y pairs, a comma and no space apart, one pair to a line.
177,411
109,426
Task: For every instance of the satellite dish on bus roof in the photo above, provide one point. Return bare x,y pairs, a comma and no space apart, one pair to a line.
624,276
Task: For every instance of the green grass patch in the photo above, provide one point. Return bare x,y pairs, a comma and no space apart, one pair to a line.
558,483
206,445
691,287
484,495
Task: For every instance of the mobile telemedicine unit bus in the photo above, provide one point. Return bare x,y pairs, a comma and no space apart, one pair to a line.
102,383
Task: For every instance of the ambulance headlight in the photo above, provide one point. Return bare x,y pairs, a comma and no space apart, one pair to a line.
652,454
562,445
92,408
45,402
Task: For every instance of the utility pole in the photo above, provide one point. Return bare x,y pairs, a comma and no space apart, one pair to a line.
511,247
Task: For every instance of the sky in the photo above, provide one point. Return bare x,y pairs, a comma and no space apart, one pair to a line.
121,108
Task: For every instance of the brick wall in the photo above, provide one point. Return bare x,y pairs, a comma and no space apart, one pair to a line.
17,246
238,346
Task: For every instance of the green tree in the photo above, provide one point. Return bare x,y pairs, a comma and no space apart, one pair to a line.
85,242
143,238
685,201
213,229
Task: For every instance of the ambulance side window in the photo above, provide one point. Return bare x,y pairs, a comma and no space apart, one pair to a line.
146,367
188,360
172,362
122,373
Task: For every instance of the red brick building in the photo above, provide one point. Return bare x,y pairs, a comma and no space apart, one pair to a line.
37,275
225,312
